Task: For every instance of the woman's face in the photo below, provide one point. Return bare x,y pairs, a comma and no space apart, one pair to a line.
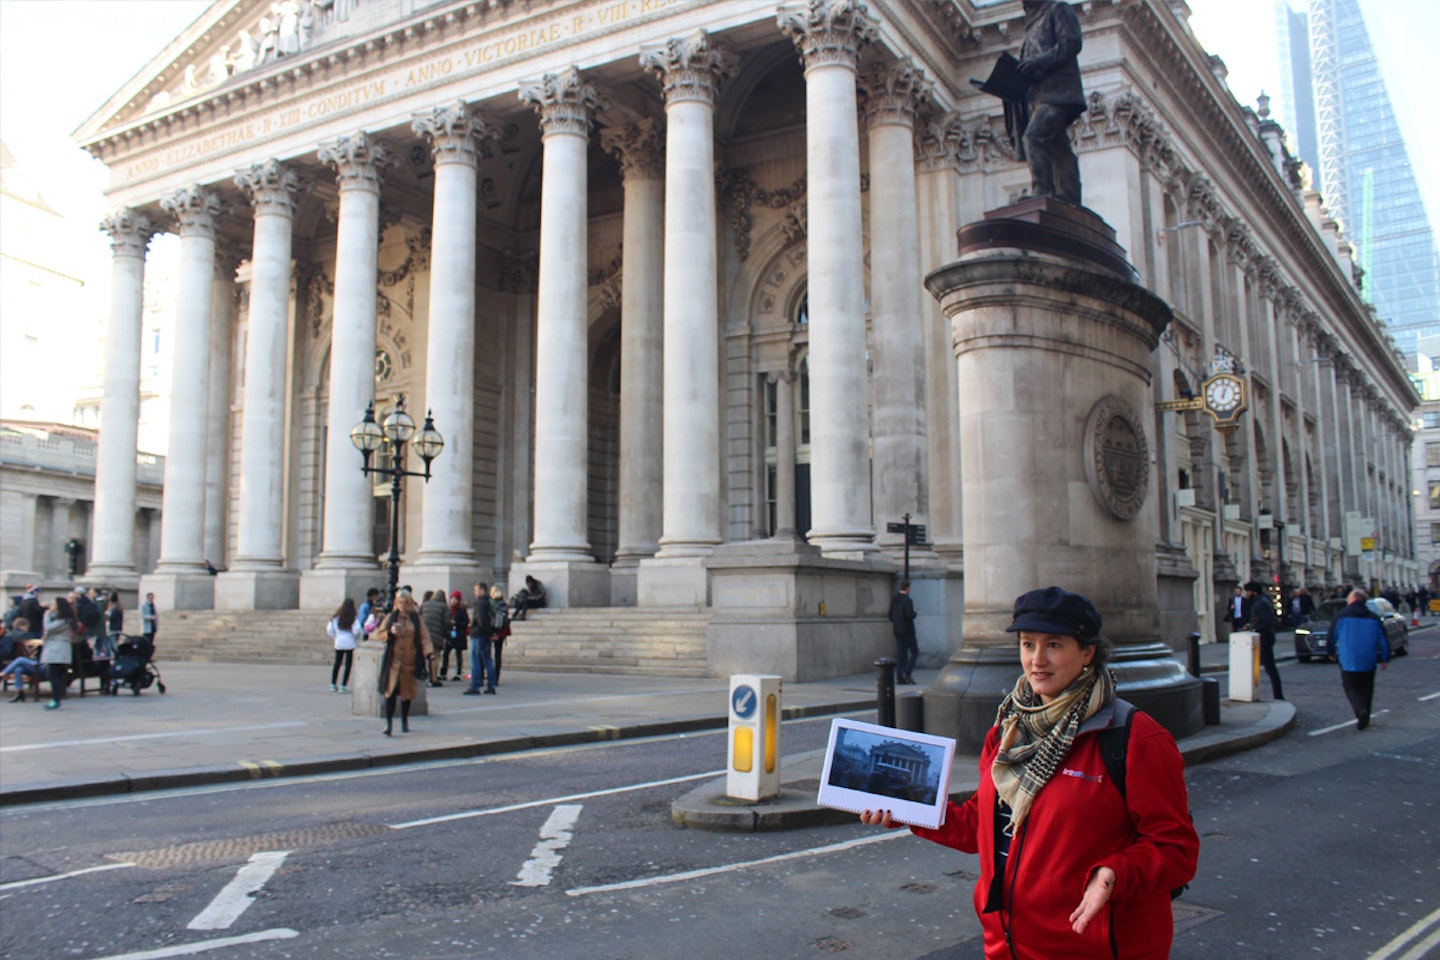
405,604
1052,661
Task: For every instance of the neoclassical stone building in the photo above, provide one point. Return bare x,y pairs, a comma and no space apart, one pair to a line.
656,268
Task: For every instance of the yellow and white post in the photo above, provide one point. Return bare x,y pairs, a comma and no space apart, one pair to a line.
753,772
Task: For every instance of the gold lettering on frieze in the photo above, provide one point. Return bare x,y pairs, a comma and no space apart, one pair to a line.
433,70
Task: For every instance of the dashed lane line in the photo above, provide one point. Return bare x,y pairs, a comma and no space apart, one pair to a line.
1341,726
467,814
202,946
17,884
733,867
239,893
554,838
1405,939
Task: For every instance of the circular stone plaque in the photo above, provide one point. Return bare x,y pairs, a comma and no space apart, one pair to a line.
1117,458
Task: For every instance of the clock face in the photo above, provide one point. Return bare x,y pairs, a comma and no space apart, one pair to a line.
1223,394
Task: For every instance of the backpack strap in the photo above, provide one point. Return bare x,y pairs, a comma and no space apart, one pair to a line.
1115,743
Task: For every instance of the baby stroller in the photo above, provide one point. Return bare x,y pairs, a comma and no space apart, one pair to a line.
133,667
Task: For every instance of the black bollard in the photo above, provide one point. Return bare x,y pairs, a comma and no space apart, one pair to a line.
1195,655
910,711
885,691
1210,700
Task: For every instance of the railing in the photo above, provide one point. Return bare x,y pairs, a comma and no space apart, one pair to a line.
72,456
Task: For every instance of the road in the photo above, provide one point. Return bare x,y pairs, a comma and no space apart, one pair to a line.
1320,845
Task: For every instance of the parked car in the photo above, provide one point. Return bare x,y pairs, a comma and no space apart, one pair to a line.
1312,639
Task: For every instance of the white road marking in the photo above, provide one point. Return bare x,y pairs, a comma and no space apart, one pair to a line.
732,867
466,814
1401,942
238,894
150,736
185,949
1430,696
16,884
554,837
1342,726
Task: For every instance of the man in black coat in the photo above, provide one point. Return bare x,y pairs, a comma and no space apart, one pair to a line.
1264,621
1049,63
902,620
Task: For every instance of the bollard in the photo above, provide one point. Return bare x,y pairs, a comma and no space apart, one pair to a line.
910,712
754,763
1194,654
885,691
1210,697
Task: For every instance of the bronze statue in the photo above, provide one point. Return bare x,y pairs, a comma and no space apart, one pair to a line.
1043,96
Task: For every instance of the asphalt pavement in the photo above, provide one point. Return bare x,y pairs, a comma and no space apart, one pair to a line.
228,722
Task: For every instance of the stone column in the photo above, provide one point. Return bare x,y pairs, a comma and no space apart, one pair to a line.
447,549
180,581
637,147
690,69
829,35
257,578
346,567
217,445
892,93
560,552
112,554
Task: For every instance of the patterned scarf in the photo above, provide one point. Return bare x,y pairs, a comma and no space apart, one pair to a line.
1035,736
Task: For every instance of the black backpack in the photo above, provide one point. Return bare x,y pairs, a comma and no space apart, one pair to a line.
1114,748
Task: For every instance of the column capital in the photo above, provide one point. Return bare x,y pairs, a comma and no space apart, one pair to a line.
271,187
228,257
359,161
454,133
638,148
892,93
565,102
195,208
691,67
130,232
829,32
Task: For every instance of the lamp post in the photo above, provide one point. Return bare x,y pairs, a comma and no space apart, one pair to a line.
389,437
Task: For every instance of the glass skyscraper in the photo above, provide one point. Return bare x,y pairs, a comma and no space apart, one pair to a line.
1338,108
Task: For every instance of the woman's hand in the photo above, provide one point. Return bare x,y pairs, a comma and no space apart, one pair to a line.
1097,894
876,818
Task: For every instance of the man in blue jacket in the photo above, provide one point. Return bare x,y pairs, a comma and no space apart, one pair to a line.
1358,640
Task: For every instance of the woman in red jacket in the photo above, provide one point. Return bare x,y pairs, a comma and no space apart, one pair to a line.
1069,866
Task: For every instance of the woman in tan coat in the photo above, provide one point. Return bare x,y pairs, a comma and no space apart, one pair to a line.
406,663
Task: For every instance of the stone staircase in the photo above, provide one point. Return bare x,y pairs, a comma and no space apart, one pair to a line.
244,636
654,641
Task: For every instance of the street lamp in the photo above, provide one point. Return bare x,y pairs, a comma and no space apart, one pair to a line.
389,437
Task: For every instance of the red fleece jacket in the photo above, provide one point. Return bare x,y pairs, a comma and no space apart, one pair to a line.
1077,824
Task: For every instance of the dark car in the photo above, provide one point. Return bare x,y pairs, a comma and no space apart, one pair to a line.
1312,639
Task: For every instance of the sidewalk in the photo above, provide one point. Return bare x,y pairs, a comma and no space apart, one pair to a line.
226,722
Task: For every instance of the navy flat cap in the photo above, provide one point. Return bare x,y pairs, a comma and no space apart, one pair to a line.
1053,610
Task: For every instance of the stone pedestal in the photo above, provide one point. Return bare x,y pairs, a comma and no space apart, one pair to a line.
180,591
625,582
1052,339
257,590
327,588
779,607
454,576
567,584
673,582
365,699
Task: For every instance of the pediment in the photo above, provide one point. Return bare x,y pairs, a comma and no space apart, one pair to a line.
234,40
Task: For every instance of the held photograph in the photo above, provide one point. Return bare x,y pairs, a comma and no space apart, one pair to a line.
870,767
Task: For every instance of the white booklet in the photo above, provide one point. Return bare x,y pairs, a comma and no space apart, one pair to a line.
870,767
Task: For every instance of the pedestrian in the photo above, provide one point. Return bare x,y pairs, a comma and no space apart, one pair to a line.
1070,866
1238,609
1301,606
149,620
88,613
342,629
902,622
58,651
406,661
12,613
500,623
1263,621
1358,642
529,597
459,632
436,614
1425,596
482,643
107,641
19,666
367,610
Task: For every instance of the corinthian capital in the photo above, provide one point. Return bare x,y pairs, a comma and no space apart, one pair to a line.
359,162
564,101
130,232
829,31
637,147
891,93
195,208
690,67
271,187
454,133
